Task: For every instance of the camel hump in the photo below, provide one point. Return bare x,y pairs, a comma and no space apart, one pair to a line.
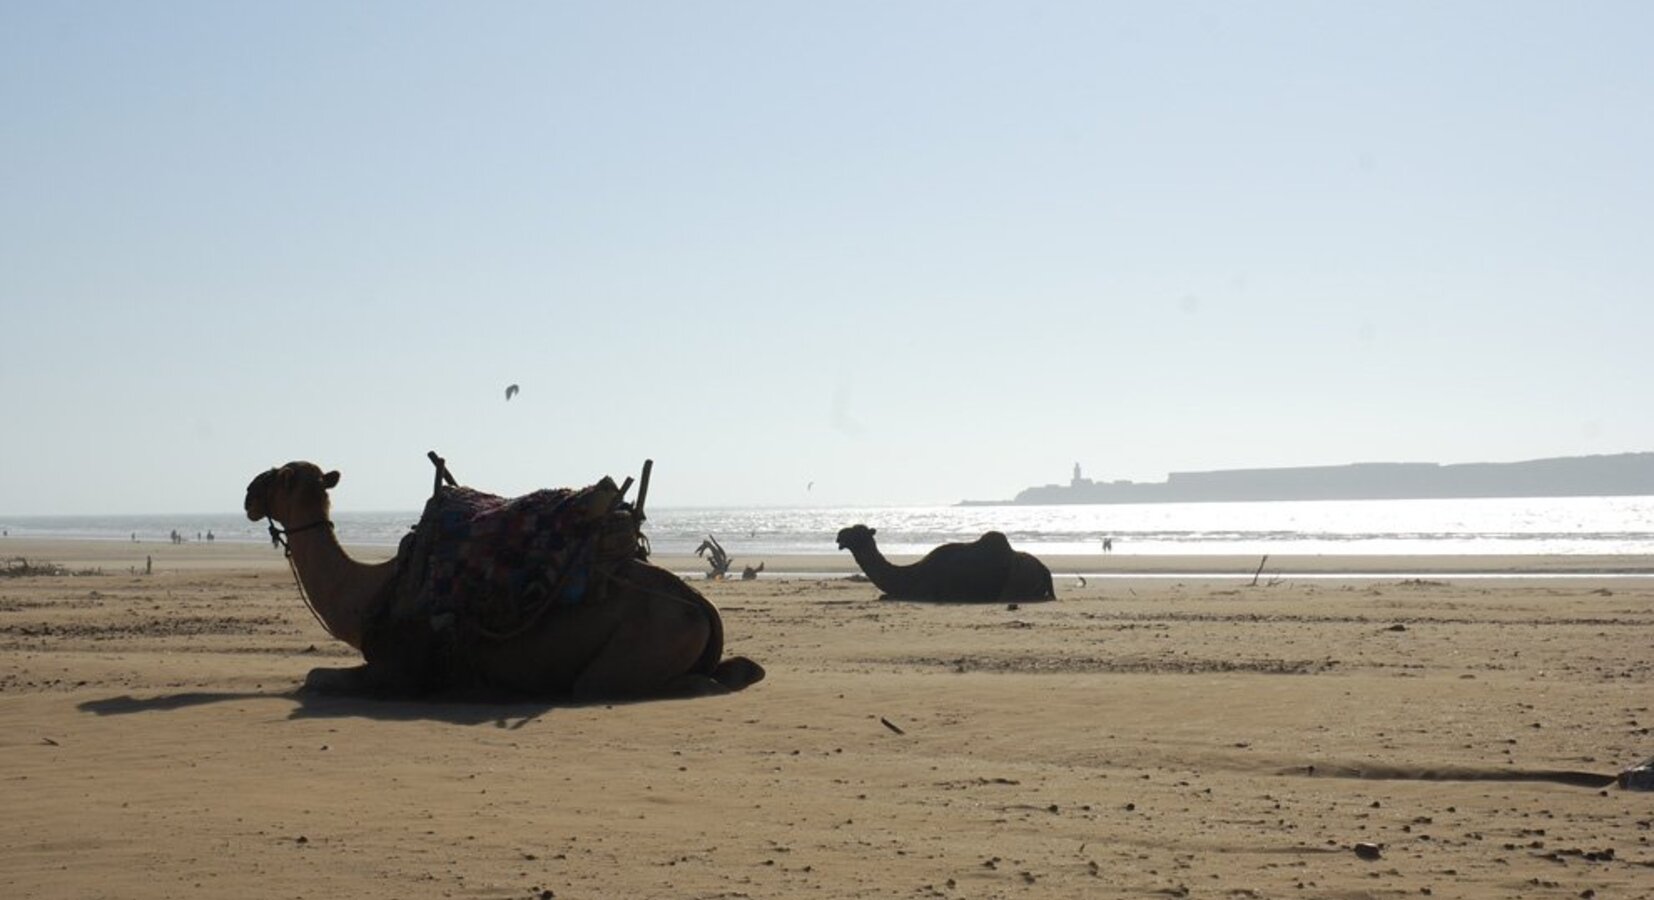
994,539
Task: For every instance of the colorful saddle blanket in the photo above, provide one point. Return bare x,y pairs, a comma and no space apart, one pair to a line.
491,565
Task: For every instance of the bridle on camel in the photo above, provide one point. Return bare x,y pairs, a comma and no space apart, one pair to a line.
278,538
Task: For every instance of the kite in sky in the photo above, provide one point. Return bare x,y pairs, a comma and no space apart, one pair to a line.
510,392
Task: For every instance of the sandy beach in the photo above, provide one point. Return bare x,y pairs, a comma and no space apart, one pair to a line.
1168,729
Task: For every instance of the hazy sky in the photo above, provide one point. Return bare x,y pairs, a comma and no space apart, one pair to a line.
911,252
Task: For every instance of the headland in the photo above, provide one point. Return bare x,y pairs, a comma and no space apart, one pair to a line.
1614,475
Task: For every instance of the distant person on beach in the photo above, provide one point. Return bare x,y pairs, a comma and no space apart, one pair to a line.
209,535
1108,545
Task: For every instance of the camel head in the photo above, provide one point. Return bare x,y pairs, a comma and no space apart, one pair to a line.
856,537
294,495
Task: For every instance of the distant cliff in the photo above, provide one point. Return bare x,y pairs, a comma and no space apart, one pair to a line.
1622,474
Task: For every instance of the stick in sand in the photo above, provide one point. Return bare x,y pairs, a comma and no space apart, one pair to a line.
1260,570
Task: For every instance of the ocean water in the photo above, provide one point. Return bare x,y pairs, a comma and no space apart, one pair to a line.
1569,525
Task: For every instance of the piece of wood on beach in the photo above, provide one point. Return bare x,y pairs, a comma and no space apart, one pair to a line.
890,725
1255,575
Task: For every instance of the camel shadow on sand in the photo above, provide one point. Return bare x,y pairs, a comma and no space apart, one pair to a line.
454,708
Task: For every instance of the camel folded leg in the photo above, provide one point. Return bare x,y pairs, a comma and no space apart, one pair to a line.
651,652
354,681
737,672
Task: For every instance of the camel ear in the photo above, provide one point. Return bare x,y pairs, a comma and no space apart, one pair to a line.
331,480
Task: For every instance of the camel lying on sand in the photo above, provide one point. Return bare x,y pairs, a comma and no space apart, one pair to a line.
985,570
640,631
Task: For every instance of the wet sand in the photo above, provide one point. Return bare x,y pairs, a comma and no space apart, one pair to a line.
1169,731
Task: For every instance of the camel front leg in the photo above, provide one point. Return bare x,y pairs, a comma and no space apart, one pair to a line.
353,681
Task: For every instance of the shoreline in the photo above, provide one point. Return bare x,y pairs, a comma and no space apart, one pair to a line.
78,553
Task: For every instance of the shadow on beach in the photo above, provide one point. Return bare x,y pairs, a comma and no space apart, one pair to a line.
453,709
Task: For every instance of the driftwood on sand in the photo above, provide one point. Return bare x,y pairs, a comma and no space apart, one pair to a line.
717,559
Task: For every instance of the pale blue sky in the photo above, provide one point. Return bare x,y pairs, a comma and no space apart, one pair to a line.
912,252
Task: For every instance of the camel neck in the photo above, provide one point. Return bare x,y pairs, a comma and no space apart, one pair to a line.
885,575
343,592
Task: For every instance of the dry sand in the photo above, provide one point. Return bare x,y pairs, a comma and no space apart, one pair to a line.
1141,737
